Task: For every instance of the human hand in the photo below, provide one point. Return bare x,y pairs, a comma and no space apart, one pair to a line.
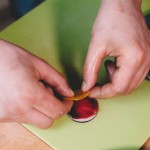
23,97
119,31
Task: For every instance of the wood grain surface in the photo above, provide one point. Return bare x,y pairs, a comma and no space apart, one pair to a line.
13,136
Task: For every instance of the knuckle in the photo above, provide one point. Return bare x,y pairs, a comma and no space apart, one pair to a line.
28,95
18,111
139,57
19,108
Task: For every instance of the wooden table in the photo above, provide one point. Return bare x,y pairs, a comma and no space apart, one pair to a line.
13,136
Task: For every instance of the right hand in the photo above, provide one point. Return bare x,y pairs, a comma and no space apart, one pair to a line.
119,31
23,97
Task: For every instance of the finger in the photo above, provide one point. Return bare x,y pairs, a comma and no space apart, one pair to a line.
110,69
54,78
49,105
54,108
38,119
68,105
137,80
94,58
13,120
50,90
120,82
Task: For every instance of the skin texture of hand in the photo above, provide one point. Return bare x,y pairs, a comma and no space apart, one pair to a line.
119,31
23,97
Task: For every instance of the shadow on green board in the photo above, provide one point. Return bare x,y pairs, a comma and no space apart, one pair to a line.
74,20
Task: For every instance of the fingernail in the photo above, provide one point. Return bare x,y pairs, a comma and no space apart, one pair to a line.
84,86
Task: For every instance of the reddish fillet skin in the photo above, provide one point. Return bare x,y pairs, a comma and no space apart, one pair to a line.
84,108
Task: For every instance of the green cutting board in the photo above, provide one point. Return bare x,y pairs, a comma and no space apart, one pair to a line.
59,32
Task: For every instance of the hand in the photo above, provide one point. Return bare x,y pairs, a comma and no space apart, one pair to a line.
23,97
119,31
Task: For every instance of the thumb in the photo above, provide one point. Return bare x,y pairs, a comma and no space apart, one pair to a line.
94,58
53,78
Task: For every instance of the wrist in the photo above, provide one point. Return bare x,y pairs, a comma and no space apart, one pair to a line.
122,5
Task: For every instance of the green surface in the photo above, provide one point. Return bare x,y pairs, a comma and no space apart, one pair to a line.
146,6
59,32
